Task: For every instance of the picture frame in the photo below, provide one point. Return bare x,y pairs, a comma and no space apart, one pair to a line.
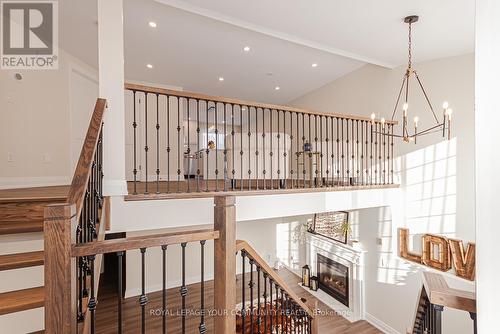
333,225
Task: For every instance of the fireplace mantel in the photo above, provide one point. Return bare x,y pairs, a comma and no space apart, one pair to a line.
351,257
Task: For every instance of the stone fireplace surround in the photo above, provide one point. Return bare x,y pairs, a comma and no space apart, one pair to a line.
350,257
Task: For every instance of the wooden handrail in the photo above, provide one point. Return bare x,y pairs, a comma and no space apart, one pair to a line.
76,194
243,245
198,96
439,293
130,243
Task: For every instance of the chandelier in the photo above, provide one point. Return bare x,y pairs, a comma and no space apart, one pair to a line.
407,134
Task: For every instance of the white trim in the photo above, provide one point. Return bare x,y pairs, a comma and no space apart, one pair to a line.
379,324
179,4
115,187
34,181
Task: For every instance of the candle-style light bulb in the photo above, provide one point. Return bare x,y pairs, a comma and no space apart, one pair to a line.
415,120
405,108
373,117
449,111
445,105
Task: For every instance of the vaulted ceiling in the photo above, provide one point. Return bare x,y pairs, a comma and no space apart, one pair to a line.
196,42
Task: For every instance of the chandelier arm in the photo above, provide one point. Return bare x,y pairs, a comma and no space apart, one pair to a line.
399,97
388,134
427,131
426,97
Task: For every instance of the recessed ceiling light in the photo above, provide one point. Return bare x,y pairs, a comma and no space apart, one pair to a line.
149,66
221,79
277,88
314,65
152,24
246,48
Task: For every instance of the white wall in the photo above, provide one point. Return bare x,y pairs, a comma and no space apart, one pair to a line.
43,119
487,163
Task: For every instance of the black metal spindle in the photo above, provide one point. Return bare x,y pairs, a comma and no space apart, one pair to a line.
392,154
249,153
178,144
243,307
164,290
303,151
134,125
371,153
277,307
250,285
282,314
120,291
271,307
278,172
188,148
241,148
342,152
316,181
257,172
348,163
168,144
143,299
92,301
357,161
207,150
297,150
285,152
233,161
311,161
198,152
157,144
146,147
202,327
216,122
266,312
225,146
259,310
321,150
183,290
271,146
264,147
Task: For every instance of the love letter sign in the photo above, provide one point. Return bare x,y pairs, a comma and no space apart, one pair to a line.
441,253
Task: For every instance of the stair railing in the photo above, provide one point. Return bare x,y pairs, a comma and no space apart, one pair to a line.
434,296
186,143
268,304
80,220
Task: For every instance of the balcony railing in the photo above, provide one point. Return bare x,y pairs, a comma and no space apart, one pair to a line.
180,142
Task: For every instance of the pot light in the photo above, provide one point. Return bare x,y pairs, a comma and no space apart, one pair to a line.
152,24
277,88
246,48
221,79
314,65
149,66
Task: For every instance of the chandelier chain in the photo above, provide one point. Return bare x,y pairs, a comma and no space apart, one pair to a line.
409,47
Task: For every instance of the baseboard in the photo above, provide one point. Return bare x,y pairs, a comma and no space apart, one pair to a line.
36,181
379,324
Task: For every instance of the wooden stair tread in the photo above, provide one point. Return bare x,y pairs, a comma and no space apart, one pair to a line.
21,260
13,227
37,194
21,300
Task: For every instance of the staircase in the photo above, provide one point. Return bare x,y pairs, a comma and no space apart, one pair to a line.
21,252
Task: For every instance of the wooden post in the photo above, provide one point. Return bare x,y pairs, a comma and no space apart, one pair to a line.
225,265
60,269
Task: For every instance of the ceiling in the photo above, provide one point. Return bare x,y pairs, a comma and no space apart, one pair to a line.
198,41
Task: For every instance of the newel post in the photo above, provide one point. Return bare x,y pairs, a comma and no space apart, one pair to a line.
60,269
225,265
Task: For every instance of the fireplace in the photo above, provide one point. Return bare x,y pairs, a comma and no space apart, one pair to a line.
333,278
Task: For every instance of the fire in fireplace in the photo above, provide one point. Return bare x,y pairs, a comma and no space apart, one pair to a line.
333,278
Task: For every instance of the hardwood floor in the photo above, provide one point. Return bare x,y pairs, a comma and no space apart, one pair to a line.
106,313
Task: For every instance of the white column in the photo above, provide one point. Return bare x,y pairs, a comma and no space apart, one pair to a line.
487,163
111,87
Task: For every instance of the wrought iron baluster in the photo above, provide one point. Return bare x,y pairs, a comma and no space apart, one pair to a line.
233,161
198,152
249,154
183,290
277,307
134,125
271,146
264,147
271,307
371,154
297,150
146,147
342,152
92,301
178,144
243,307
259,309
257,172
310,153
316,181
120,291
392,154
241,148
282,314
158,144
348,163
188,149
202,327
357,153
207,150
143,299
250,285
321,150
216,121
266,312
367,167
164,289
285,152
168,143
303,151
278,172
225,146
